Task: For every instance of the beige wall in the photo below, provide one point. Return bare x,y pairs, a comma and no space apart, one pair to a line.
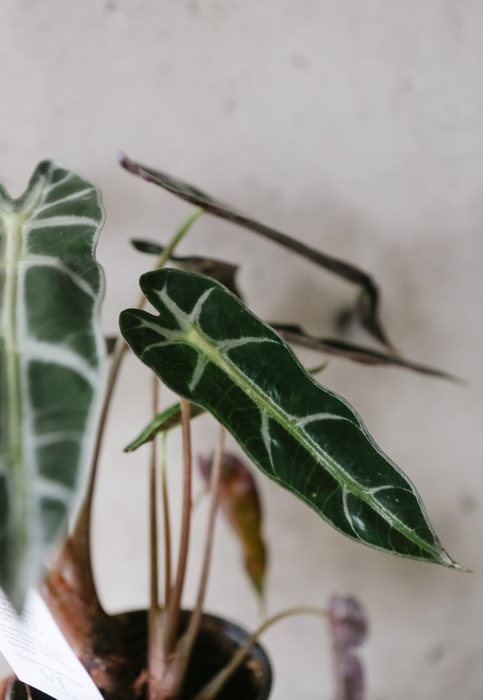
355,125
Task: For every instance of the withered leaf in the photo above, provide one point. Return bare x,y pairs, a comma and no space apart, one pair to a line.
348,630
240,503
368,306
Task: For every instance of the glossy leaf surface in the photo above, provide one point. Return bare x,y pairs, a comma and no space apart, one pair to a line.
51,361
240,503
367,307
210,349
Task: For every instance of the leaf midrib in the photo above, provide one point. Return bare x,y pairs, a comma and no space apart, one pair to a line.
13,223
195,337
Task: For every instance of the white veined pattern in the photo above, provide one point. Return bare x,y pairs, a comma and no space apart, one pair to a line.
52,360
327,447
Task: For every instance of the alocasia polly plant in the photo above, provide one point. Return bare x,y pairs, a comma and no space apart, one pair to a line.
211,350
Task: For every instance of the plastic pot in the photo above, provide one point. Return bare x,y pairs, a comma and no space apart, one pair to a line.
216,643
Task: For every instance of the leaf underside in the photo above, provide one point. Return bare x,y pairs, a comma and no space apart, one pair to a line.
225,273
367,307
51,361
218,270
210,349
357,353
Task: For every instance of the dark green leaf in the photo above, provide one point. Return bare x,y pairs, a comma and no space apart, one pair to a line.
369,300
149,247
358,353
51,362
210,349
167,420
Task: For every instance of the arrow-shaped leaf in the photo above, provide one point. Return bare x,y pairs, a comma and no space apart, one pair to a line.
210,349
50,364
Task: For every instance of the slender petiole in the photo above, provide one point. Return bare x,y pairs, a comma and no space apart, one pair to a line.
167,523
210,691
180,233
153,516
195,620
173,610
83,525
156,657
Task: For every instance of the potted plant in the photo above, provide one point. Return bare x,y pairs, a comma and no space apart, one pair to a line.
218,357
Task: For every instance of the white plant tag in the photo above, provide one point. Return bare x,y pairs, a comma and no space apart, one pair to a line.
39,654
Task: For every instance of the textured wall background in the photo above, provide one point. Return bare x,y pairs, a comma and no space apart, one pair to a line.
357,126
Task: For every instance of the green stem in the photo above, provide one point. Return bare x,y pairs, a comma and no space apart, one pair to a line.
180,233
211,690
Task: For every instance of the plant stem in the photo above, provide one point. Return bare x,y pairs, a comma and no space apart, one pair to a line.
153,519
195,620
180,233
167,525
211,690
173,611
82,530
156,657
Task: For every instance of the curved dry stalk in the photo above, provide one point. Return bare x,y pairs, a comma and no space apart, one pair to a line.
210,691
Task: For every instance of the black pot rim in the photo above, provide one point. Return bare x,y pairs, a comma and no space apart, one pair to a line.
239,635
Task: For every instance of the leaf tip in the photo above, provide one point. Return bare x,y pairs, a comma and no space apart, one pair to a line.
123,160
128,164
451,563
